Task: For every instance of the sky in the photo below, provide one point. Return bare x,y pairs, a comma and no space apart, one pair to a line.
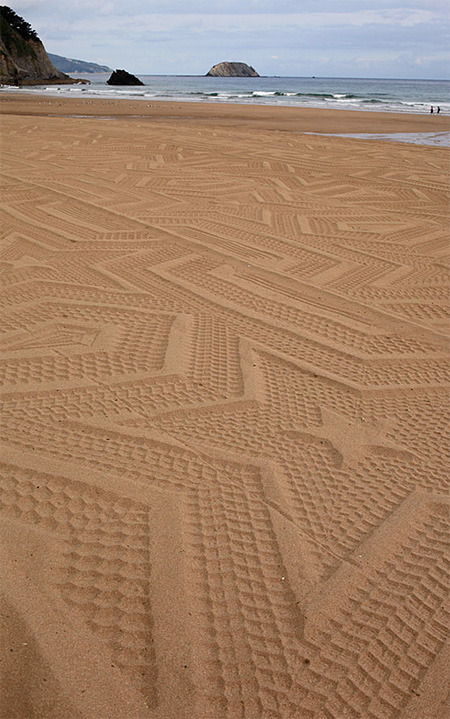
325,38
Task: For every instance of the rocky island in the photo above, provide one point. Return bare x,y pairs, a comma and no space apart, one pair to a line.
122,77
232,69
23,59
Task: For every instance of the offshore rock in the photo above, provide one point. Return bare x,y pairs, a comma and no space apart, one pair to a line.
122,77
232,69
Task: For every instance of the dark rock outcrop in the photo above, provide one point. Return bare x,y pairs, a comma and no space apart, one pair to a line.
23,59
122,77
68,64
232,69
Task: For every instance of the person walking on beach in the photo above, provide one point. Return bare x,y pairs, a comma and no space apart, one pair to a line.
432,110
438,109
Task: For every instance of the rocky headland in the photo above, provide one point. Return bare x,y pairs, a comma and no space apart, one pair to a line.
232,69
23,58
69,64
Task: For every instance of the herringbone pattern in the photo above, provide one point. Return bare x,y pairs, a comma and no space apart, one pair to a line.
224,368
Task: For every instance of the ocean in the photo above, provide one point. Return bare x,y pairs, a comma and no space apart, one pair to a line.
413,96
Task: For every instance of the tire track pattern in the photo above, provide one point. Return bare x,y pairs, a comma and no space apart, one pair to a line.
251,330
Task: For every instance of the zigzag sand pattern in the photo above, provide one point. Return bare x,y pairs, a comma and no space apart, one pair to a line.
223,486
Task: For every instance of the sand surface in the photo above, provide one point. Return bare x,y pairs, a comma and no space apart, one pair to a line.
224,462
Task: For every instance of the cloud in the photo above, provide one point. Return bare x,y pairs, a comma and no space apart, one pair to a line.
157,22
227,7
277,38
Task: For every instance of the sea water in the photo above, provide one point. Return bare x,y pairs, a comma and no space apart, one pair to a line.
412,96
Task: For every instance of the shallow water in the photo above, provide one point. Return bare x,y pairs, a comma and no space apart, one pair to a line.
436,139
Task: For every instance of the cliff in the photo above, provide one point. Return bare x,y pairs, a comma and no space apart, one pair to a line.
23,59
68,64
232,69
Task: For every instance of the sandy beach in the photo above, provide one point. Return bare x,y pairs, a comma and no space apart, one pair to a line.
224,486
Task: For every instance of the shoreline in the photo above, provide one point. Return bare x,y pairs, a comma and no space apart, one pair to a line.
232,115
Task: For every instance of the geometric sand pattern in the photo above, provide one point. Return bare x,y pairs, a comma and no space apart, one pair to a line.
224,416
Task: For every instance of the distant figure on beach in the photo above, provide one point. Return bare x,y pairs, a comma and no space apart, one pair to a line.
432,110
438,109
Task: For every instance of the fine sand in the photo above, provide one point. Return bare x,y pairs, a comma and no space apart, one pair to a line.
224,463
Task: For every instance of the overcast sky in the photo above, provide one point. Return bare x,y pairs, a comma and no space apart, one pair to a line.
328,38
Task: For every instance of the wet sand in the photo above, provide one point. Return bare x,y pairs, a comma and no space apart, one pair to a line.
224,366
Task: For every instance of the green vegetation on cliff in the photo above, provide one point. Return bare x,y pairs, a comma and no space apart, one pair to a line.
16,22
